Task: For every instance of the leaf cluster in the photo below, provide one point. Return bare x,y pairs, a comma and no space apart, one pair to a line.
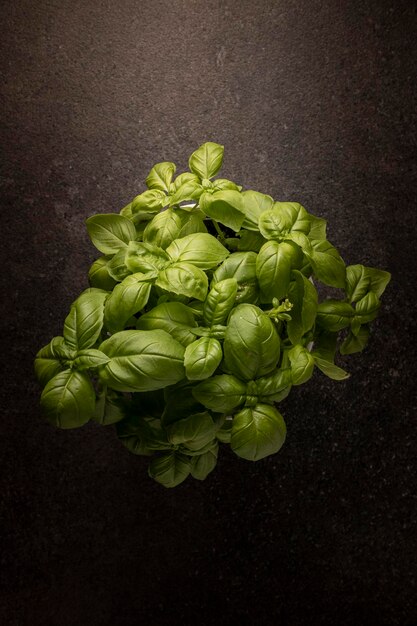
201,315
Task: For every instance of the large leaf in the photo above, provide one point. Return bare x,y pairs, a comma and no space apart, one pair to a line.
225,206
257,432
200,249
170,469
173,317
251,344
202,358
110,231
160,176
206,160
220,301
303,296
193,432
68,400
83,324
142,360
302,364
220,393
127,298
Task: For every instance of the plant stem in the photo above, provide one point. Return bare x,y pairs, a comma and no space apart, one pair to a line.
219,231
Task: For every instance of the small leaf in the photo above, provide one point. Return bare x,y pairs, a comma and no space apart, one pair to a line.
200,249
160,176
126,299
202,358
303,296
334,315
163,229
327,264
110,231
207,160
89,359
225,207
360,280
203,464
173,317
220,393
330,369
150,201
184,279
83,324
353,344
302,364
145,257
98,275
68,400
257,432
242,267
254,204
220,301
192,432
170,469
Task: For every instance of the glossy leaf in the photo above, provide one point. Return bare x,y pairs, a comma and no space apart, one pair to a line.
220,301
273,269
68,399
145,257
163,229
242,267
142,360
110,408
193,432
360,280
202,358
251,344
257,432
272,388
98,275
353,344
224,206
151,200
334,315
206,160
83,324
184,279
302,364
51,359
200,249
221,393
126,299
254,204
89,359
203,464
327,264
283,218
117,267
367,308
190,190
303,296
110,231
173,317
160,176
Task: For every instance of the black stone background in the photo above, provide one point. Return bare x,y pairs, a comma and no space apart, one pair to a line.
314,102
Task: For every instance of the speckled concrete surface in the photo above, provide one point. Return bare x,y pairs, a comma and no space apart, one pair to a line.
314,102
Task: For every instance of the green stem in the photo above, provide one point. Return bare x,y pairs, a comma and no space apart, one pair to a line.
219,231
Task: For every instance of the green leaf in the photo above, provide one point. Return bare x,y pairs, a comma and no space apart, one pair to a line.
170,469
283,218
327,264
224,206
242,267
117,267
273,269
202,465
250,241
163,229
173,317
184,279
353,344
110,231
317,227
190,190
142,435
89,359
223,183
367,308
360,280
51,359
330,369
193,432
83,324
68,400
151,200
257,432
98,275
206,160
145,257
127,298
179,402
160,176
303,296
271,388
191,222
202,358
185,177
201,249
220,301
334,315
142,360
220,393
254,204
251,344
302,364
110,408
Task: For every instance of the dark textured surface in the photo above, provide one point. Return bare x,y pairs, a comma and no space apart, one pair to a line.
314,102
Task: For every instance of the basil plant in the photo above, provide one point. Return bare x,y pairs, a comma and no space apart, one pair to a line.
201,315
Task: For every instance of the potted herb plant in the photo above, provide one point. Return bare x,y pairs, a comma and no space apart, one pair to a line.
201,315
